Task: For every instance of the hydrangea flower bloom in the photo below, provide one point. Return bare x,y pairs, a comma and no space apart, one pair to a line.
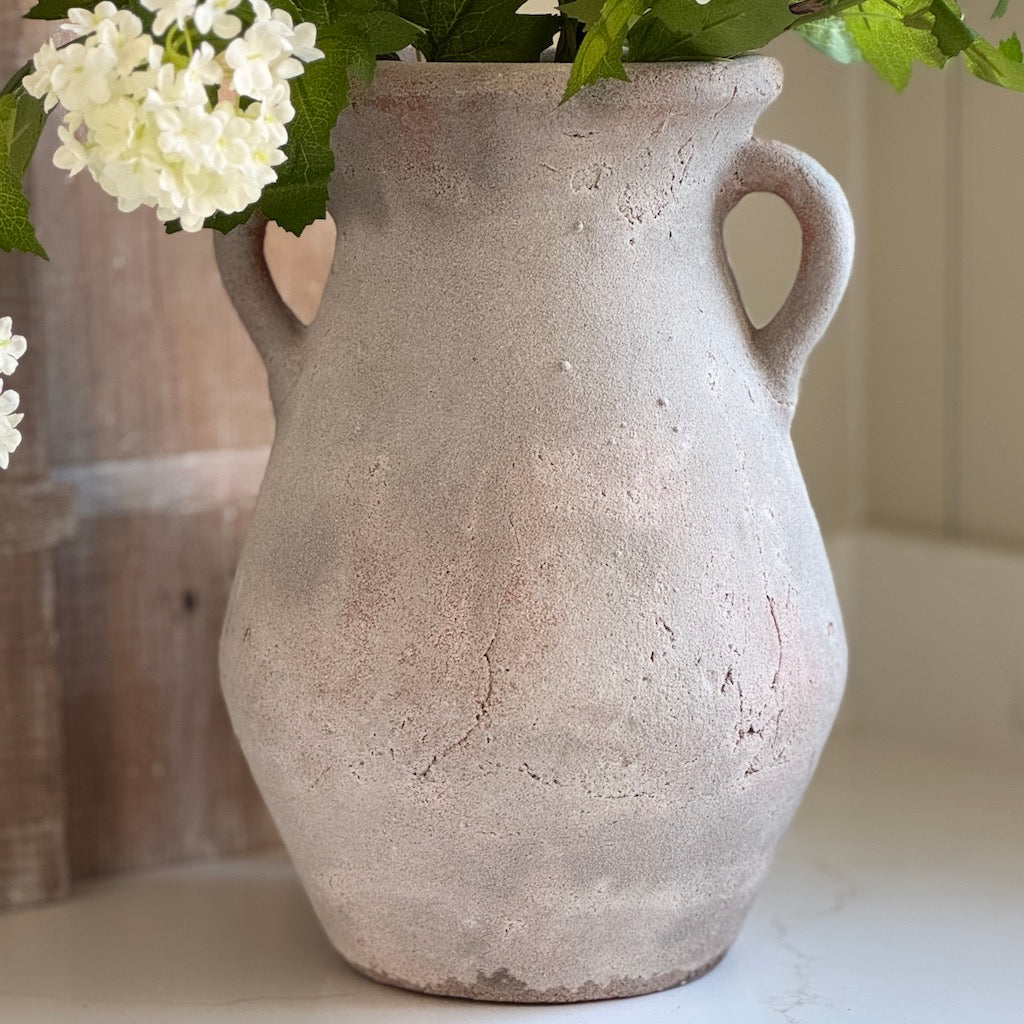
191,120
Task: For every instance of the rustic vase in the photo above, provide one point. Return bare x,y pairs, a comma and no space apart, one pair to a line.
533,645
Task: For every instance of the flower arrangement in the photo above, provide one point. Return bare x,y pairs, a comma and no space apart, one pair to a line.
208,111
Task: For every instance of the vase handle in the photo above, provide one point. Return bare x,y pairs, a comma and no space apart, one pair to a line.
782,346
276,331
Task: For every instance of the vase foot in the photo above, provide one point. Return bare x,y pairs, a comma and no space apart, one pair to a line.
503,987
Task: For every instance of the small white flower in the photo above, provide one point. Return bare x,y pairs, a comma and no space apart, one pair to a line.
170,12
12,346
303,41
214,16
205,65
251,57
10,437
84,75
84,23
40,82
71,155
124,34
269,52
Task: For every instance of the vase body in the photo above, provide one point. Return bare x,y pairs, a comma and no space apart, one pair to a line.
533,645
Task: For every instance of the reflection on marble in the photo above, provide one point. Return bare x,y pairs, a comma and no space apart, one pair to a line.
898,897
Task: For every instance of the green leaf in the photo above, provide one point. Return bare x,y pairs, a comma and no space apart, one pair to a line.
948,28
722,28
29,121
17,78
51,10
16,140
600,54
888,44
479,30
1001,7
320,12
54,10
388,33
832,37
650,41
1010,48
893,34
584,11
996,66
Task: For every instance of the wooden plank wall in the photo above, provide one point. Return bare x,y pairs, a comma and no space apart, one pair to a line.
35,515
161,422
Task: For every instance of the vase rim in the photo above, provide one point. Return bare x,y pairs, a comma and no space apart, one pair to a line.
754,78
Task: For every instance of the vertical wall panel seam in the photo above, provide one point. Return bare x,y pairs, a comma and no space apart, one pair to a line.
858,502
954,306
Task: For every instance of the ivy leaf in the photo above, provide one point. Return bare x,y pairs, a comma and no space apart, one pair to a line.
479,30
888,44
659,30
318,11
51,10
600,53
17,78
54,10
584,11
724,28
29,121
948,28
1000,66
650,40
892,34
19,133
832,37
1010,48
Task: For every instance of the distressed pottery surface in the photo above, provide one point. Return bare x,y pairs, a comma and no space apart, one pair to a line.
533,646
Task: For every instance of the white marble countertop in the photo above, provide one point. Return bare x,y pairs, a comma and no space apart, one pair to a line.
898,897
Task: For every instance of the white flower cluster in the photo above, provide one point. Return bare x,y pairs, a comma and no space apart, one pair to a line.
12,348
189,120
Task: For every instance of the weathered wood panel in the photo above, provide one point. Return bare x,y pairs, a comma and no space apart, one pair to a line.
148,372
149,365
33,848
35,515
148,356
154,772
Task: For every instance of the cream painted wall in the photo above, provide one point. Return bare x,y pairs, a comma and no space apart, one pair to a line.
944,336
911,414
821,110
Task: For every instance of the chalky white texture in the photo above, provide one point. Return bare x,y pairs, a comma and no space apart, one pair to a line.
533,667
137,111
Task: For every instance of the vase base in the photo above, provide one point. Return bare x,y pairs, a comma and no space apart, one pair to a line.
503,987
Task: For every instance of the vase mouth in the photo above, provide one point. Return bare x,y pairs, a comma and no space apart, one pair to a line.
750,80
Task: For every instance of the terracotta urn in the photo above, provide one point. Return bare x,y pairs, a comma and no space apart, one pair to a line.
533,645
